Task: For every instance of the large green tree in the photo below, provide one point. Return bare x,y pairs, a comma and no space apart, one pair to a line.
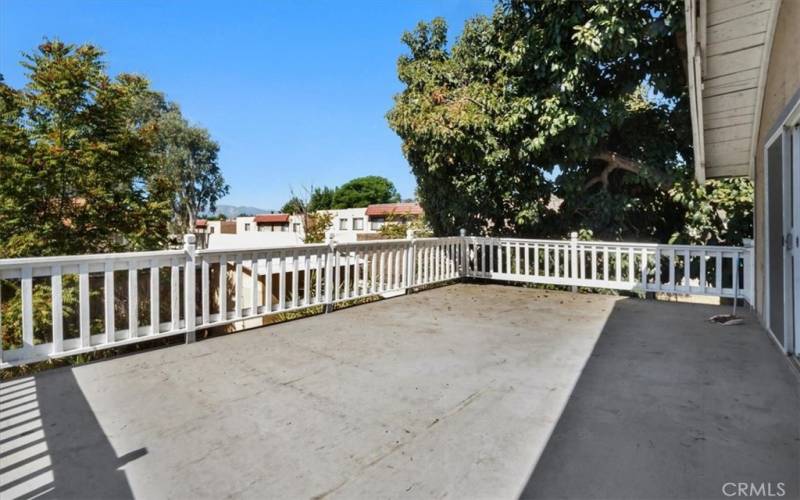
76,172
184,153
585,101
363,191
321,199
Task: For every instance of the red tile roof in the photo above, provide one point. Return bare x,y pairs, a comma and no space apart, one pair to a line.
394,208
201,223
272,218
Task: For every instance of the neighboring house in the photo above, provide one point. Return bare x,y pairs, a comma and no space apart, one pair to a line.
744,83
347,225
348,219
400,213
275,223
205,226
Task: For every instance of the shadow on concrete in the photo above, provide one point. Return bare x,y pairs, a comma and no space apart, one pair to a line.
670,406
52,445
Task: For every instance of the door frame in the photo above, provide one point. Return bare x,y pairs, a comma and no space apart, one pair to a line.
787,131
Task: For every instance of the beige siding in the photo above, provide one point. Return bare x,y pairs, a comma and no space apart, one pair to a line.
783,81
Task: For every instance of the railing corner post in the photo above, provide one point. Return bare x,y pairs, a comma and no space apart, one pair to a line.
190,246
573,244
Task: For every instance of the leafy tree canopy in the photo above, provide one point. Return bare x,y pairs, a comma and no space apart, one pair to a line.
356,193
320,199
586,101
90,163
364,191
293,206
184,153
77,174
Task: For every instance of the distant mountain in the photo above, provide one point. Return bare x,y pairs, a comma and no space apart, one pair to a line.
231,211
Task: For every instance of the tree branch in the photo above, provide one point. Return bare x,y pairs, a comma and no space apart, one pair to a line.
613,161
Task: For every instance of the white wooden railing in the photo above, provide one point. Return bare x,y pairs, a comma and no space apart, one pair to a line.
639,267
119,299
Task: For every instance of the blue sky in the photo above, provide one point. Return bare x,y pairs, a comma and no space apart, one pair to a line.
295,92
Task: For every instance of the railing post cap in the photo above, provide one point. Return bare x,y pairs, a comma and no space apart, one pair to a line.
189,239
462,232
409,234
573,235
747,242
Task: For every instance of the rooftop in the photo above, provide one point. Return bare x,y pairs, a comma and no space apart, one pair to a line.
394,209
463,391
271,218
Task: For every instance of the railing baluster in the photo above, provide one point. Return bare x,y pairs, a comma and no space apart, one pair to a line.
703,279
405,267
318,279
268,282
204,299
281,281
687,270
484,258
27,307
718,272
366,274
643,266
618,263
239,298
546,249
108,291
346,290
382,272
155,299
605,263
174,296
491,255
295,278
583,262
631,266
392,269
434,262
57,310
254,285
83,304
223,287
594,262
306,279
672,269
357,260
658,269
133,300
557,262
527,259
336,276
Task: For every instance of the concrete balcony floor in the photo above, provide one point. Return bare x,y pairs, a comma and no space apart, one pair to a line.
465,391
